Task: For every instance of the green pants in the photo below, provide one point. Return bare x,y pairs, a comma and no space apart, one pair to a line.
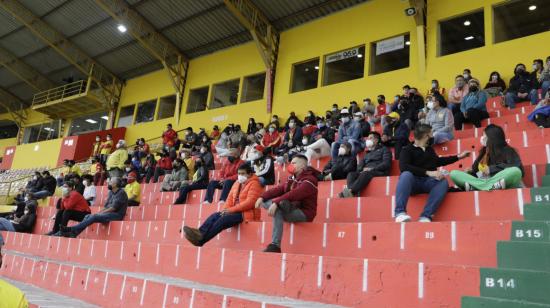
512,177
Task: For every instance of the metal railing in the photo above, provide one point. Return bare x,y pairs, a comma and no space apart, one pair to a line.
59,93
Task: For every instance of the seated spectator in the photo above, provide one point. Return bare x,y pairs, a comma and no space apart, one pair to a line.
544,78
332,120
89,189
142,149
365,125
271,139
207,157
293,118
249,147
309,127
310,118
73,206
495,86
396,133
541,114
408,113
467,74
263,165
536,74
78,185
339,167
473,107
215,133
522,87
202,133
498,165
416,101
335,110
275,122
190,138
185,155
222,146
115,209
251,128
106,148
133,190
381,111
260,131
436,89
292,201
163,167
96,148
440,118
292,139
149,167
319,142
377,162
350,132
169,138
418,163
24,223
115,161
368,106
205,142
237,137
457,93
97,171
173,181
198,181
129,167
48,185
228,176
238,208
353,108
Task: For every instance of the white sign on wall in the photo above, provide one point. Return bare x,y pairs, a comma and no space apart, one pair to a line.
350,53
388,45
219,118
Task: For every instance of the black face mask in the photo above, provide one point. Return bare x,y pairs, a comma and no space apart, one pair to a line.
430,142
474,89
231,159
380,101
110,187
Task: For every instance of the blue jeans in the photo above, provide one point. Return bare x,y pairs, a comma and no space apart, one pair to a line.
6,225
93,218
512,98
336,145
182,198
41,194
410,184
442,137
213,185
545,87
216,223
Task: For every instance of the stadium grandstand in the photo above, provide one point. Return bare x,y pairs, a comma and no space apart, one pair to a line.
275,153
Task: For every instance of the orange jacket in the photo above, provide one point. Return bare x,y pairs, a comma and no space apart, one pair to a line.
249,193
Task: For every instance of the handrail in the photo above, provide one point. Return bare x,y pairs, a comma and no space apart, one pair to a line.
70,89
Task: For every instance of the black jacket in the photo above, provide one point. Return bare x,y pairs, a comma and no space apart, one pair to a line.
365,128
506,158
399,131
522,83
296,138
340,166
417,161
408,111
325,132
379,160
202,176
37,185
50,184
208,160
27,221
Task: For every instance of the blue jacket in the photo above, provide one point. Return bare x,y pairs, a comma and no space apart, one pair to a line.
349,132
475,100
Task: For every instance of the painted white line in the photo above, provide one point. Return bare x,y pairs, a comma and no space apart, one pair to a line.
402,237
324,235
458,145
157,259
453,235
105,283
387,186
92,249
320,271
263,231
365,274
222,260
475,133
359,235
192,298
283,267
520,201
177,255
517,118
420,280
525,142
69,246
106,248
121,228
72,275
148,229
143,292
121,249
123,286
164,230
87,278
327,209
548,153
139,252
165,295
134,230
224,301
79,244
198,258
331,189
476,202
250,263
239,233
358,207
291,233
392,206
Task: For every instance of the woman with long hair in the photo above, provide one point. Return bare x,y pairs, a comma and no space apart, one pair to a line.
498,165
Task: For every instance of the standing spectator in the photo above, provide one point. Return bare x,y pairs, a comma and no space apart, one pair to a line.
198,181
349,131
377,162
73,207
169,138
338,168
96,149
271,139
263,164
115,209
473,108
396,134
215,133
106,148
498,165
495,86
228,176
457,93
133,190
207,157
238,208
89,189
115,162
164,166
292,201
440,118
320,141
418,163
252,128
179,175
522,87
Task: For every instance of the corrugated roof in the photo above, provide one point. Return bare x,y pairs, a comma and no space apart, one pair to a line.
75,16
7,79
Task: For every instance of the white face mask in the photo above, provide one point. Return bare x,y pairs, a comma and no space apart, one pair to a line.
271,129
345,120
494,77
241,178
430,105
304,141
97,139
128,169
369,143
483,140
341,152
65,191
85,182
203,151
291,124
466,75
253,156
434,85
118,145
535,67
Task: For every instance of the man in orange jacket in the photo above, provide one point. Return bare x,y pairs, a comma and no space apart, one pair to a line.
239,207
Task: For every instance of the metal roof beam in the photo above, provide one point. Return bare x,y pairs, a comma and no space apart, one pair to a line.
24,71
14,106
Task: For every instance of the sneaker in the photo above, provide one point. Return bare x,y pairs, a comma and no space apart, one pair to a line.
499,185
64,229
467,187
50,233
402,217
205,203
194,236
272,248
424,219
346,193
70,234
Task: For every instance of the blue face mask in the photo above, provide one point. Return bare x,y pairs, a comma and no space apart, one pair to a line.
320,125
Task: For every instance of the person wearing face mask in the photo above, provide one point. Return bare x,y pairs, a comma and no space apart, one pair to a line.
199,180
473,107
522,87
353,108
115,161
114,210
187,158
339,167
498,165
418,163
129,167
440,118
73,206
377,162
435,87
24,223
238,138
467,74
294,200
310,127
163,167
457,93
365,125
396,133
310,118
368,106
207,157
544,78
190,138
251,142
263,165
106,148
142,149
96,148
380,112
251,128
226,178
222,146
169,138
44,186
149,167
292,139
293,118
215,133
179,176
272,139
133,190
319,142
238,208
205,141
98,172
496,85
275,121
89,189
349,131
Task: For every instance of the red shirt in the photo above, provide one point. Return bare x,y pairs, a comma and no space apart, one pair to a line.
165,163
308,130
380,110
269,138
169,137
75,202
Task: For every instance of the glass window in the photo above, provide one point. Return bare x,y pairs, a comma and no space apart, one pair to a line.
344,65
253,88
515,19
8,129
167,107
224,94
89,123
305,75
462,33
126,116
390,54
41,132
197,100
146,111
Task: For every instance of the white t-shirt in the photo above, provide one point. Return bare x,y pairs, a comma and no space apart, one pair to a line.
89,192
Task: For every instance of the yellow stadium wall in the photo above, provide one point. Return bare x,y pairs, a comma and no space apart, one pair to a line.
40,154
8,142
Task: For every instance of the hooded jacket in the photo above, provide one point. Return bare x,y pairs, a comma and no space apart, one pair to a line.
242,198
229,169
340,166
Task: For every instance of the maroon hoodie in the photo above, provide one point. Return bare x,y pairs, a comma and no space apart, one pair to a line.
302,190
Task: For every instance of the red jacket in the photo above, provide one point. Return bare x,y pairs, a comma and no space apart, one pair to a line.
301,191
165,163
247,193
308,130
381,110
271,137
229,170
169,137
75,202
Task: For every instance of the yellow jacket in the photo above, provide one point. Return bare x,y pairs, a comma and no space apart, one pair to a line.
133,190
117,159
11,296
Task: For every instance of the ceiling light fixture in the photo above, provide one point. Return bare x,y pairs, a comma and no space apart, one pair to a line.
316,67
532,7
468,38
122,28
48,129
467,23
359,55
105,118
91,121
407,43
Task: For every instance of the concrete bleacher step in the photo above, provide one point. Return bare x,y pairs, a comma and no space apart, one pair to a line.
515,284
490,302
531,231
537,212
524,255
350,282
